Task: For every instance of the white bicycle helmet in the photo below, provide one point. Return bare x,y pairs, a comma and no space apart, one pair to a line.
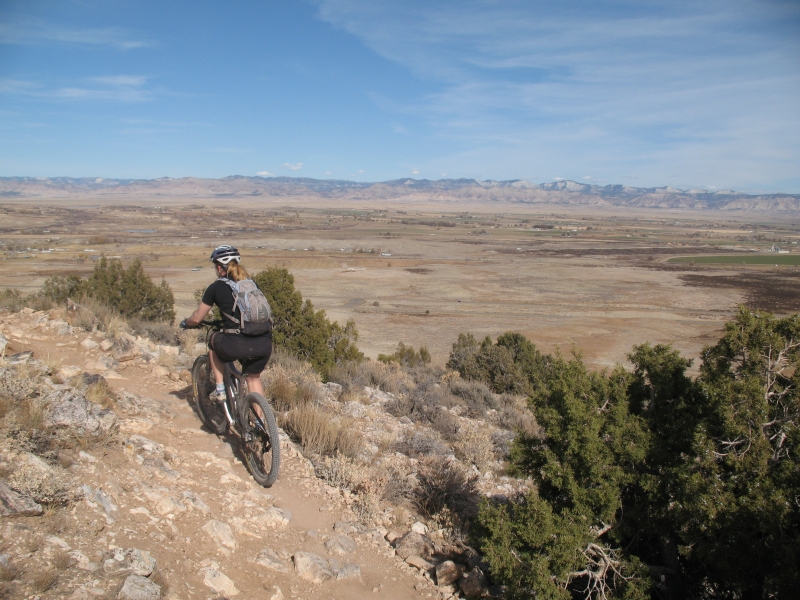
225,254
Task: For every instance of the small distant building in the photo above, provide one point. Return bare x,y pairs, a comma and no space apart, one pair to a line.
386,253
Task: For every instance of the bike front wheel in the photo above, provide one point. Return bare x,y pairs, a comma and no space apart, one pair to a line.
212,413
260,440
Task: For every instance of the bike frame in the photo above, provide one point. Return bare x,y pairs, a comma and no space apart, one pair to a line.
232,378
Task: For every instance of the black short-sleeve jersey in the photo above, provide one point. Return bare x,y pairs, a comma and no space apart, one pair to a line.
220,294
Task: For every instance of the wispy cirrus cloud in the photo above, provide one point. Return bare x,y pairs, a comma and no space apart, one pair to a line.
701,90
124,88
293,167
34,31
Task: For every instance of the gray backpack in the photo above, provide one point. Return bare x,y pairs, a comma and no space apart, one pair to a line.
256,315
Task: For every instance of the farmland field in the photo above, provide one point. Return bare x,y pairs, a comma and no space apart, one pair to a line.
740,259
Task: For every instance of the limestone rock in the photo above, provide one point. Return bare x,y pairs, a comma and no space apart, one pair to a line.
3,344
414,544
348,527
124,350
76,412
420,528
448,572
340,545
159,371
139,588
344,570
109,507
221,533
12,503
220,583
271,560
275,593
473,584
420,563
69,371
89,344
170,504
194,501
312,567
133,560
106,345
276,517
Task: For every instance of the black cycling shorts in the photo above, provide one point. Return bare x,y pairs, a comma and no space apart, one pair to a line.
252,352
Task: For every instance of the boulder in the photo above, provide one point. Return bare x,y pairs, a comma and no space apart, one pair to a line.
344,570
271,560
3,344
275,593
276,517
414,544
221,533
420,563
312,567
340,545
420,528
473,584
220,583
448,572
12,503
89,344
76,412
132,560
139,588
124,350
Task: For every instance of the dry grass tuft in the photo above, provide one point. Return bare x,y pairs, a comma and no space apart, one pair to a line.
62,560
159,577
474,446
340,471
100,393
319,434
282,392
354,376
444,483
9,572
44,579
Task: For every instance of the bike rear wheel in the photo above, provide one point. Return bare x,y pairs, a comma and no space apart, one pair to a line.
211,412
261,445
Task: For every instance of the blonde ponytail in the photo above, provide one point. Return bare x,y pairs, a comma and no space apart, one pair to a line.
236,272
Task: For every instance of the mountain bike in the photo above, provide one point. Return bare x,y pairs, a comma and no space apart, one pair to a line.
248,413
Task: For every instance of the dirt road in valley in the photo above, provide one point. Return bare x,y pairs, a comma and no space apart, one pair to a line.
183,495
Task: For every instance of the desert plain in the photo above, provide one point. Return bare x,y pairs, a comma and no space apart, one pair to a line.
591,280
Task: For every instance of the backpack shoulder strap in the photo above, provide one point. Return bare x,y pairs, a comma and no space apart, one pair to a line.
235,291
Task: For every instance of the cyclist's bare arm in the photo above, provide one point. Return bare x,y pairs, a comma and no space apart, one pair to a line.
198,315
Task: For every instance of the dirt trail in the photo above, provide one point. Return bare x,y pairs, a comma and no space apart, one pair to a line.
171,485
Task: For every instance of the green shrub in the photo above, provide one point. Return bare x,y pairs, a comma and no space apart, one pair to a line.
693,477
406,356
303,331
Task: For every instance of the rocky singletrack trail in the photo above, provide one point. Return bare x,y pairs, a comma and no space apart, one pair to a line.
166,501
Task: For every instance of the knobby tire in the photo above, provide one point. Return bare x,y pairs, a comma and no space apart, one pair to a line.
211,412
261,445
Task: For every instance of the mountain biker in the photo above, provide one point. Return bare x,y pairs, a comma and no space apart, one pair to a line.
228,345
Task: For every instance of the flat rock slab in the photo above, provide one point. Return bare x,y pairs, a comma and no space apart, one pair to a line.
448,573
344,570
341,545
220,583
420,563
271,560
137,587
414,544
312,567
221,533
12,503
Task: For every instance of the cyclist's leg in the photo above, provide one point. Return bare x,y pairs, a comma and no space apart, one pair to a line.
216,363
254,383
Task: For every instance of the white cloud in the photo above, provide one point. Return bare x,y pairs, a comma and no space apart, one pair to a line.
35,31
125,88
327,173
293,167
586,177
360,171
415,171
703,90
265,174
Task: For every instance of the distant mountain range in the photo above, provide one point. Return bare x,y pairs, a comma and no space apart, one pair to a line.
408,190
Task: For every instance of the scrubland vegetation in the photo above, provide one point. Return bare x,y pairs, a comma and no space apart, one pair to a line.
637,483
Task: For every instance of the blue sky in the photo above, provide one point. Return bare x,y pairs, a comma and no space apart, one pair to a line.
640,92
